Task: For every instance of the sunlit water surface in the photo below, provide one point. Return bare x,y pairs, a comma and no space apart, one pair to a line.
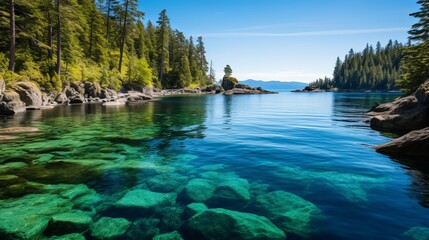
315,146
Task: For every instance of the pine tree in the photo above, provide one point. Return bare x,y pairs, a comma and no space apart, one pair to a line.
415,66
163,44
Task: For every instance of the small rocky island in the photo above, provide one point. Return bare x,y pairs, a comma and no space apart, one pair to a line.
407,116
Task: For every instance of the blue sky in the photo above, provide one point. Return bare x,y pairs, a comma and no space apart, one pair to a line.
287,40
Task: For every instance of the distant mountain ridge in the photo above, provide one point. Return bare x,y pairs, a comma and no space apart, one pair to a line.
273,85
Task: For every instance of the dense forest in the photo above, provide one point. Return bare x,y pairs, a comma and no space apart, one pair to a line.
52,42
375,69
394,66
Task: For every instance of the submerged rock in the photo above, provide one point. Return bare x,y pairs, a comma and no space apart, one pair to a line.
168,236
198,190
70,222
289,212
145,228
27,217
192,209
220,223
415,143
143,200
109,228
15,130
417,233
72,236
166,182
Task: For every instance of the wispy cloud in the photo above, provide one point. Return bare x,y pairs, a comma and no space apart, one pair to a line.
299,34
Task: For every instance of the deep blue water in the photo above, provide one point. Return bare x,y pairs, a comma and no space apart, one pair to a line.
314,145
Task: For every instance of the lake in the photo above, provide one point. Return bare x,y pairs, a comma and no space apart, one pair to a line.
302,160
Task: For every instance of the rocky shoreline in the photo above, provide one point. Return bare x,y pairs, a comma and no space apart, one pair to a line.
26,96
407,116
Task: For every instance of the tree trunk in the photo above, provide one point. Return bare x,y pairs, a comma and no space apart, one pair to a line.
108,22
58,67
50,40
12,36
124,35
90,36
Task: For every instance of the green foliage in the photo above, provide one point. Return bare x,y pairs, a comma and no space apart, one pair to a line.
228,71
322,83
141,73
367,70
232,79
91,40
415,65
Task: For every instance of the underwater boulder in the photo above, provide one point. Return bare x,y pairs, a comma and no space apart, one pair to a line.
288,211
417,233
219,223
107,228
192,209
166,182
69,222
198,190
168,236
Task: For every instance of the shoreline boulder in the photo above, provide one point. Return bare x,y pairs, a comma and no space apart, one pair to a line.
415,143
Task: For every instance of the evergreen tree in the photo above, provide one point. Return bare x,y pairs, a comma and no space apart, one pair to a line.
228,71
415,65
163,44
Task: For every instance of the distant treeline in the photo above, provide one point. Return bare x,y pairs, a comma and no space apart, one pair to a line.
371,69
393,67
106,41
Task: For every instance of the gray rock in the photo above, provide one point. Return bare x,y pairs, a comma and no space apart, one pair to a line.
2,86
415,143
404,114
92,89
220,223
61,98
109,228
228,83
11,103
77,99
29,93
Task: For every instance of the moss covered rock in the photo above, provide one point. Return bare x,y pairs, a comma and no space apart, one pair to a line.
220,223
168,236
69,222
109,228
288,211
198,190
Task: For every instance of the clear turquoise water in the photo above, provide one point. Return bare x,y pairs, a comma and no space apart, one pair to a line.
315,146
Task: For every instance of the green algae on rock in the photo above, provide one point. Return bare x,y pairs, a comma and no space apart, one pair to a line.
175,235
192,209
289,212
27,217
198,190
417,233
221,223
141,199
69,222
107,228
167,182
72,236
